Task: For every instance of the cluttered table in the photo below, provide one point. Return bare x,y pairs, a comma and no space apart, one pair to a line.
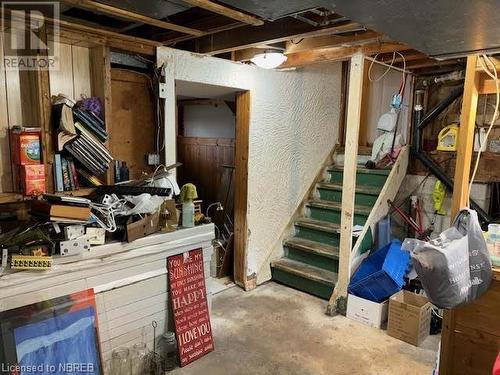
104,266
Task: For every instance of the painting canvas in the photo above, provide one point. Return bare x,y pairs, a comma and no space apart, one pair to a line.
58,336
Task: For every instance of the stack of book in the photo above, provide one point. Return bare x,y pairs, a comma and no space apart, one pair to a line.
62,209
81,134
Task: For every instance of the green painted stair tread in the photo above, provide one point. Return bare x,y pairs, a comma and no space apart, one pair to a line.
313,247
321,225
340,168
337,206
363,189
306,271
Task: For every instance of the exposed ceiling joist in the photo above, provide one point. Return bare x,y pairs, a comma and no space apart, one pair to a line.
425,63
327,41
226,11
299,59
279,31
408,56
131,16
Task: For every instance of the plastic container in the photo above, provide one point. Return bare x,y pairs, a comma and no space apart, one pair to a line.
384,232
188,214
168,351
382,273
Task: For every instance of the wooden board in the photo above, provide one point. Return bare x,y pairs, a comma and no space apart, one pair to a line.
349,184
132,116
5,167
241,191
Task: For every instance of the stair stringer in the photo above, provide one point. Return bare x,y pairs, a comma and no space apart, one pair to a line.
380,209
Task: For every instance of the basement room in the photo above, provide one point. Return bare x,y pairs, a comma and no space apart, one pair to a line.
212,187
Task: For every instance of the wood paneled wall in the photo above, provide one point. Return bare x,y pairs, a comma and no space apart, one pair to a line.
202,164
72,79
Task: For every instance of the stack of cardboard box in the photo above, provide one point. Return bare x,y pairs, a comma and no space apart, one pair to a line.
27,167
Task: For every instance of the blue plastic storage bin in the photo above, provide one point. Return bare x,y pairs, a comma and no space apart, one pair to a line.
381,274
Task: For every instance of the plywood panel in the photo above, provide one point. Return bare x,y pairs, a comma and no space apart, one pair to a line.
61,81
133,120
5,167
81,72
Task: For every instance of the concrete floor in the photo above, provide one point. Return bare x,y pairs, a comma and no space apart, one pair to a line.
277,330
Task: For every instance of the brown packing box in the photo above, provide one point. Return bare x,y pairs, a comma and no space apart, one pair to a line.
143,227
409,317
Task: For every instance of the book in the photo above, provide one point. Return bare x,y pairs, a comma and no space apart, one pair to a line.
48,209
58,172
67,199
91,180
90,123
65,173
74,174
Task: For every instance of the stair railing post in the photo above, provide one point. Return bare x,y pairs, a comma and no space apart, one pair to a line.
338,300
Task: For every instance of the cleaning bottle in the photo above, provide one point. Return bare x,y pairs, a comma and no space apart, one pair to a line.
188,194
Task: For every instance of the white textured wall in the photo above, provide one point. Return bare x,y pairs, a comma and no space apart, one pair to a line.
293,127
212,121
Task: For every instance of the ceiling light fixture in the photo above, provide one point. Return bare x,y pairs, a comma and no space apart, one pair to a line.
269,59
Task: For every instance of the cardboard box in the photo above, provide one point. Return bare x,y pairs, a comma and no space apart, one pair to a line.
368,312
143,227
32,179
409,317
25,146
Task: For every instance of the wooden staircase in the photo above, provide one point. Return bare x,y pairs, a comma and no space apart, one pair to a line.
311,256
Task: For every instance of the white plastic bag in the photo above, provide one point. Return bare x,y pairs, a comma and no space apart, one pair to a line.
454,268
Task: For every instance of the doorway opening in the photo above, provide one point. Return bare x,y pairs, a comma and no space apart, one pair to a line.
212,145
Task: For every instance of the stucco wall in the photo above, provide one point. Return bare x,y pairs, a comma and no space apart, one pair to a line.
293,127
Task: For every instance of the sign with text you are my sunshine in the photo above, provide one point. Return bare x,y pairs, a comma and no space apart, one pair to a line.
188,298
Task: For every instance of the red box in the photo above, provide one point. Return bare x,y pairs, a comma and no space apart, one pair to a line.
25,146
33,179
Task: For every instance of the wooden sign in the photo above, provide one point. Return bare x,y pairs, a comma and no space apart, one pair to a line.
188,296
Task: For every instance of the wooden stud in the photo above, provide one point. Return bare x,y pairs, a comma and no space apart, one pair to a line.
225,11
131,16
241,189
100,84
465,148
349,183
339,53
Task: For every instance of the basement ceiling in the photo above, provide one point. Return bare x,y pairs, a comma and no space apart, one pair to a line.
442,29
273,9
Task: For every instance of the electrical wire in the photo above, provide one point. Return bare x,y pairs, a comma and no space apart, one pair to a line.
391,65
493,75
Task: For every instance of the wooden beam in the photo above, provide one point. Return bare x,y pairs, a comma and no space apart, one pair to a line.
241,190
349,182
131,16
427,62
465,146
328,41
408,56
460,198
226,11
278,31
339,53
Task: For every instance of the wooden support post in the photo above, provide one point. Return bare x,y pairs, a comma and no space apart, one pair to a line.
241,191
338,301
460,198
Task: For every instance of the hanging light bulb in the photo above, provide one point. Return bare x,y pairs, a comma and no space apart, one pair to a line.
269,59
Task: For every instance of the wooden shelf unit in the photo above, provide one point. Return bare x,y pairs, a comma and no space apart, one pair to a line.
85,68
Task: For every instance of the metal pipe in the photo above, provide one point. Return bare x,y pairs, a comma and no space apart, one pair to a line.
419,124
440,107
